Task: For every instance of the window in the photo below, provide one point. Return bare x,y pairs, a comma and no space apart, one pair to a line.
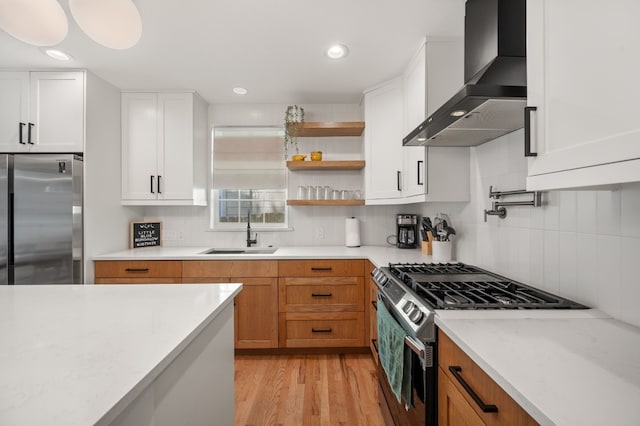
249,177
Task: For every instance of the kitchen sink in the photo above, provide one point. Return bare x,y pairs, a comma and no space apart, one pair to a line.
247,250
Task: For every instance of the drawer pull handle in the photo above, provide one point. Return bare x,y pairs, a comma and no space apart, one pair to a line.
486,408
321,269
374,304
321,330
321,294
137,270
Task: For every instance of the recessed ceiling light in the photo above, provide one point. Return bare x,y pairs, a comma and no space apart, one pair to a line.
337,51
57,54
239,90
458,113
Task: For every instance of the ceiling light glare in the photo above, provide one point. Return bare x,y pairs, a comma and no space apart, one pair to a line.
57,54
240,91
422,139
37,22
458,113
337,51
115,24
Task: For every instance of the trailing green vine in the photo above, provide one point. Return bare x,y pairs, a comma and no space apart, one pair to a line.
294,114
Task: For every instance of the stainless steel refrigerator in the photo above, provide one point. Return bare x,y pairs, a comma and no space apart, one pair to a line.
40,219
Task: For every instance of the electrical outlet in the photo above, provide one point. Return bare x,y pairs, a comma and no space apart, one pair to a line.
320,233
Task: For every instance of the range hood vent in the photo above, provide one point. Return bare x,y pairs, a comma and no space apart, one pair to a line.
491,103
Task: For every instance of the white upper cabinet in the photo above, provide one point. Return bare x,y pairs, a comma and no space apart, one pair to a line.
383,132
582,71
164,149
42,111
434,74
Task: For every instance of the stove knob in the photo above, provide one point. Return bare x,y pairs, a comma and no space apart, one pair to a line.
416,315
408,307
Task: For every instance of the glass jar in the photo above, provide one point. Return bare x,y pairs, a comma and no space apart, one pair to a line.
302,193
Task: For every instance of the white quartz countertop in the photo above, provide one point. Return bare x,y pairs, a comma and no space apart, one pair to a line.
378,255
565,368
73,355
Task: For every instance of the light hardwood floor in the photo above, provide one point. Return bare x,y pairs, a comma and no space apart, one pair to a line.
306,390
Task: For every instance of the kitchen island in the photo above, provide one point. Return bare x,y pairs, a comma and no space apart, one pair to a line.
120,355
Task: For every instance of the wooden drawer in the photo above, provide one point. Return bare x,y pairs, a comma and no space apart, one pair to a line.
326,294
138,280
509,412
138,269
321,268
229,268
303,330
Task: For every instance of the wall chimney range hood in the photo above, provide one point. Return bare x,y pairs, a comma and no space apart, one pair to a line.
492,101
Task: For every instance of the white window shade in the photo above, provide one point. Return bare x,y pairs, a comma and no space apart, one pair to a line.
248,158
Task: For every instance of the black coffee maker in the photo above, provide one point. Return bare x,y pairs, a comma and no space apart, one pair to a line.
407,230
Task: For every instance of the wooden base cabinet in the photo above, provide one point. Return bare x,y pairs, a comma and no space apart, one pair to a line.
256,307
321,303
459,380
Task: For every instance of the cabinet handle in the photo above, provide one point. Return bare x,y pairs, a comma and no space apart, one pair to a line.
20,127
321,330
136,270
321,269
159,181
486,408
527,131
374,342
374,304
29,133
152,185
321,294
399,176
420,164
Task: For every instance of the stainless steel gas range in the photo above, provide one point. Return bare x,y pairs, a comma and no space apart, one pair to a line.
412,293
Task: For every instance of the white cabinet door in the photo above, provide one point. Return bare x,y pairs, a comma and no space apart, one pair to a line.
14,111
140,128
57,111
434,75
415,102
582,71
383,115
175,156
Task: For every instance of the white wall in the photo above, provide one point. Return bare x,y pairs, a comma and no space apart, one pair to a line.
584,245
106,222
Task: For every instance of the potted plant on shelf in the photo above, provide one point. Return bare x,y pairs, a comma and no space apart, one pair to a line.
293,117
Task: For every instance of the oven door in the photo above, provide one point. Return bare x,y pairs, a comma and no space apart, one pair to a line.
423,379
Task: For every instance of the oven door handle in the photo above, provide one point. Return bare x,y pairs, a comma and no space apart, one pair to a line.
415,346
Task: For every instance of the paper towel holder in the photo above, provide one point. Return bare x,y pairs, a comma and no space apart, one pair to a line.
352,232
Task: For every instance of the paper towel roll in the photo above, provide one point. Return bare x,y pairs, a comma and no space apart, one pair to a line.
352,232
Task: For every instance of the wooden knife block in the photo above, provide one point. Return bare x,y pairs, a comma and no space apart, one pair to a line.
426,245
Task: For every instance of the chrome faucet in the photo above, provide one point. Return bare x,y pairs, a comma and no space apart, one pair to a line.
249,240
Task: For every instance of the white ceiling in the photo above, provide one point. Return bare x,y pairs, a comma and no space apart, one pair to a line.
274,48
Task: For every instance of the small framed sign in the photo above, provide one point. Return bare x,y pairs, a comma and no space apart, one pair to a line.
145,234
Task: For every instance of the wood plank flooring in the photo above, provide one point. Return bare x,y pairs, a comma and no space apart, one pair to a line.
306,390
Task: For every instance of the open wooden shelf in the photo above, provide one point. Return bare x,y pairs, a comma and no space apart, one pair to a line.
329,128
325,202
325,165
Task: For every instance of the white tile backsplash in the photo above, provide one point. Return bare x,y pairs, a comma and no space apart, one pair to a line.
583,245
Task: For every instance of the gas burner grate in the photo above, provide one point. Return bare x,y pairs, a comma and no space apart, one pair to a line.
433,268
